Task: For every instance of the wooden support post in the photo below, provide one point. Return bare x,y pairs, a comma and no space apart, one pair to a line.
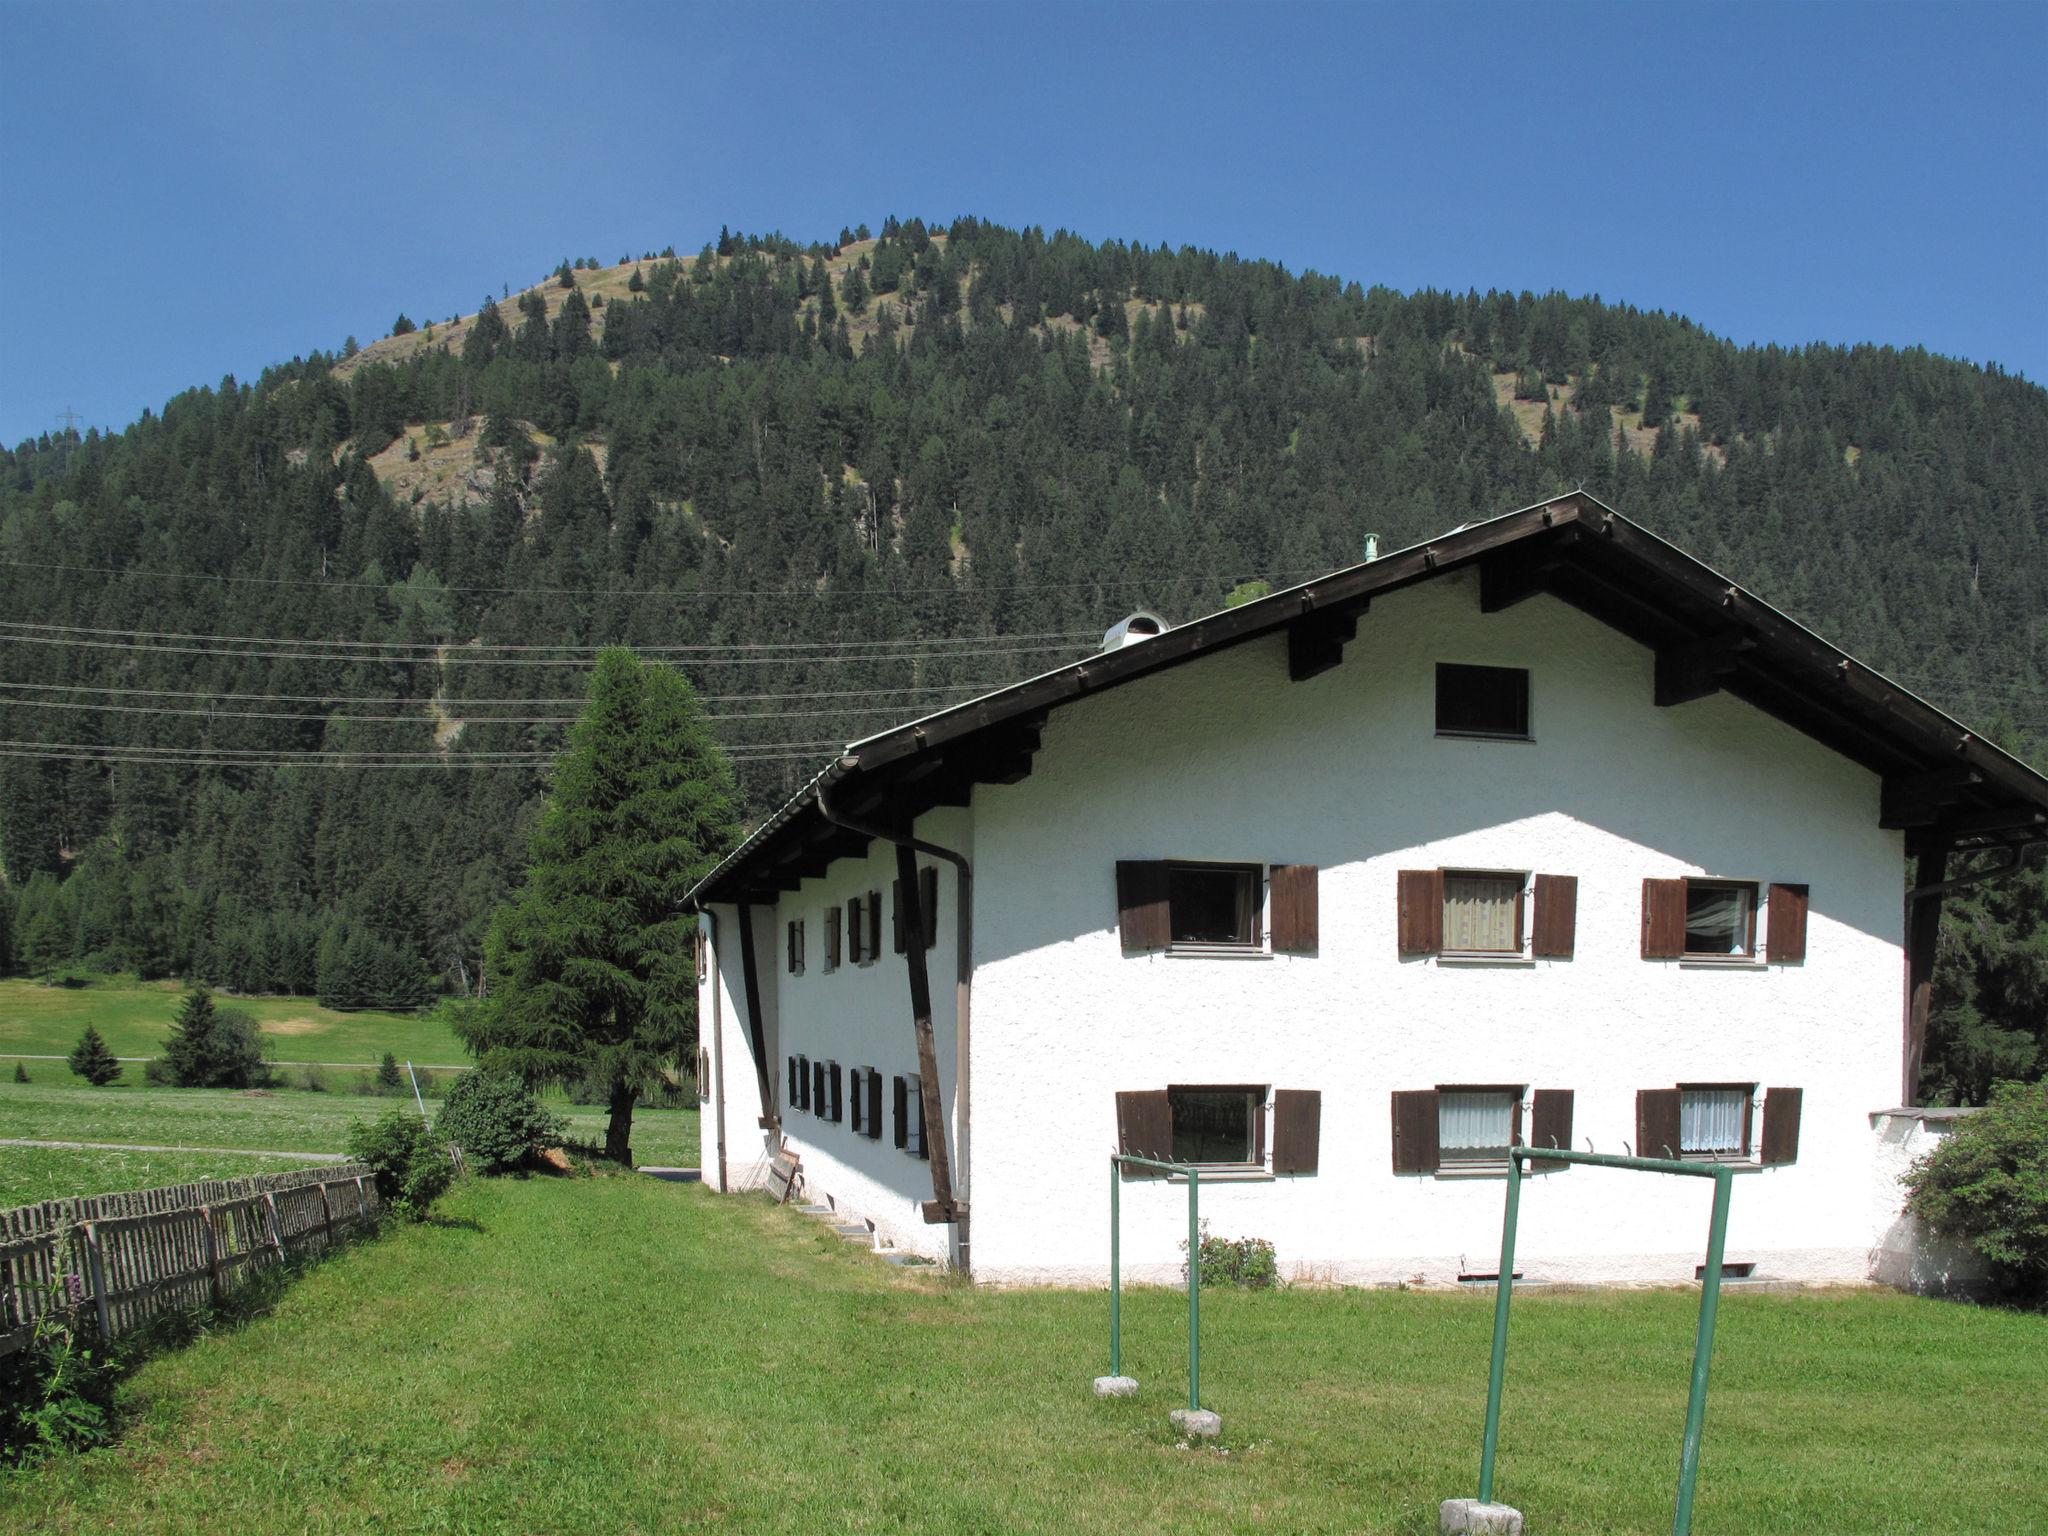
326,1215
750,976
98,1270
1923,929
211,1236
270,1220
914,922
1695,669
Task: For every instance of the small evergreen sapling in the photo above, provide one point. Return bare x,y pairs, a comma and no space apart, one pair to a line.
21,1073
91,1060
388,1079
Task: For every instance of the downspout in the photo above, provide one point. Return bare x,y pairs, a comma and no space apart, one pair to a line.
949,1204
1923,928
706,915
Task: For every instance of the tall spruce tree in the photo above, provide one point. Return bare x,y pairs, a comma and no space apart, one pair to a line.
591,975
92,1060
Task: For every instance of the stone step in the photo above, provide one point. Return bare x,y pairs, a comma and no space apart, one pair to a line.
817,1210
854,1232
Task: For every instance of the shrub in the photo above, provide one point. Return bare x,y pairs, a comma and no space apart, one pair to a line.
56,1391
1986,1186
496,1121
412,1166
1249,1262
21,1074
210,1047
312,1079
92,1060
388,1080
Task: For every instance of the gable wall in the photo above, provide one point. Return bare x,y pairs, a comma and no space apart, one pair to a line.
1226,759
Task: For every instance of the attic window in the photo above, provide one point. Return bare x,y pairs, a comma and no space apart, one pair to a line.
1488,702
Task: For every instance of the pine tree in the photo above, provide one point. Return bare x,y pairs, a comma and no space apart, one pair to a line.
591,976
854,290
92,1060
21,1074
388,1080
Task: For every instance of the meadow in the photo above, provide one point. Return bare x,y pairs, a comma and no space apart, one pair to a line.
59,1107
133,1016
621,1355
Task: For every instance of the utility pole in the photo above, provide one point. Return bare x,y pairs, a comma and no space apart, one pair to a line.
71,419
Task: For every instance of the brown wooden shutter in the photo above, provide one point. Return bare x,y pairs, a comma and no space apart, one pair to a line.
1415,1132
1295,919
874,1104
1781,1125
874,925
1421,925
1785,926
1657,1122
1144,1128
1557,917
854,952
1550,1125
1297,1128
901,1105
1143,918
928,904
1663,922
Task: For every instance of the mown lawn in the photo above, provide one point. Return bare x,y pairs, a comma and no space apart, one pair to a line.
29,1174
133,1015
622,1355
279,1121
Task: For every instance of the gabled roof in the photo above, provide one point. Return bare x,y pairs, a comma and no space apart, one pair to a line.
1941,781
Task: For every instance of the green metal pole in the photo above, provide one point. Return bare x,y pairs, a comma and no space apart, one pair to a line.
1503,1290
1194,1290
1702,1357
1116,1307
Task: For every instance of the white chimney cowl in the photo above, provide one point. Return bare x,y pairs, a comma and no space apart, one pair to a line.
1142,625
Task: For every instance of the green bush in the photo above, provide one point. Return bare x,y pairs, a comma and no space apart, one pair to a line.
56,1392
496,1121
412,1164
1986,1186
1248,1262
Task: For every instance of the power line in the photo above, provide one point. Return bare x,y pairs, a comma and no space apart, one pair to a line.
446,718
348,698
453,760
437,649
437,660
711,595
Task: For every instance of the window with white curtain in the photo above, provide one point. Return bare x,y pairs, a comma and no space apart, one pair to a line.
1476,1125
1713,1122
1483,913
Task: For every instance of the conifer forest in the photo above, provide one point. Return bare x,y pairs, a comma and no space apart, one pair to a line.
282,666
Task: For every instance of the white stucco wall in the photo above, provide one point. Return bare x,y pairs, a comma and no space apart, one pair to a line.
1226,759
859,1016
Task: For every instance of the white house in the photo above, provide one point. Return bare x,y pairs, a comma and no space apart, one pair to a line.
1542,830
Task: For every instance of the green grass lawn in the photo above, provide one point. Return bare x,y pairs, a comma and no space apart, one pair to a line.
29,1174
283,1121
133,1015
618,1355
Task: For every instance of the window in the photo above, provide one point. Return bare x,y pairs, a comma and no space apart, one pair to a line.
1476,1126
1717,1121
796,947
909,1108
1714,1122
1213,905
1720,918
1486,914
859,1101
1204,908
835,1098
856,931
1482,913
1225,1126
821,1101
800,1092
868,1098
704,1073
1482,701
833,917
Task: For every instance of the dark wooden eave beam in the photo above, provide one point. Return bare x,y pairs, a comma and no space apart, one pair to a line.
1515,575
1693,669
1316,640
1921,799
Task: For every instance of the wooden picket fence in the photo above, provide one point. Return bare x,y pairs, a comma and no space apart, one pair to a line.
124,1259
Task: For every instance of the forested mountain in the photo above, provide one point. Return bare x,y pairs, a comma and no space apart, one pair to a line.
280,667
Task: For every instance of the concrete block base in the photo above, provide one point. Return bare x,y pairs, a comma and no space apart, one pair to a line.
1116,1386
1469,1517
1197,1423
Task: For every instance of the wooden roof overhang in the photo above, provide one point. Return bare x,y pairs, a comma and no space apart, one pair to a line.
1942,783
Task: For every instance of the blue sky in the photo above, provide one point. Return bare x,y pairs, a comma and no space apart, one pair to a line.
203,189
